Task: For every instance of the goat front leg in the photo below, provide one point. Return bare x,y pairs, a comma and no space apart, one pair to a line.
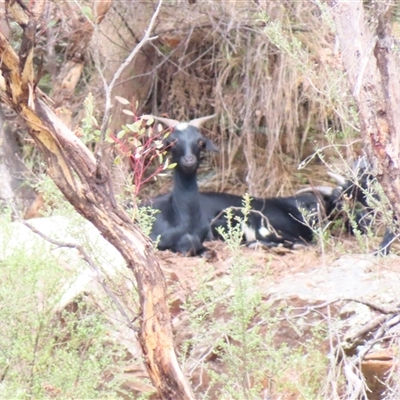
179,241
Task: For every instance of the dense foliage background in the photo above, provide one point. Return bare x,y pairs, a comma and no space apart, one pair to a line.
271,71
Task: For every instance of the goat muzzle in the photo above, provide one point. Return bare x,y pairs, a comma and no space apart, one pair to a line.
188,163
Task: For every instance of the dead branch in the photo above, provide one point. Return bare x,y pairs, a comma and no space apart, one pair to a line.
372,332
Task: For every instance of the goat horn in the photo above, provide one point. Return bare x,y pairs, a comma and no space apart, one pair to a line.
324,190
338,178
171,123
198,122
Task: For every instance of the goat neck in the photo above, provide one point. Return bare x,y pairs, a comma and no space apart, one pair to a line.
185,193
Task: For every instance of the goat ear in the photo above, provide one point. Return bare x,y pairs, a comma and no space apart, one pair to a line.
210,146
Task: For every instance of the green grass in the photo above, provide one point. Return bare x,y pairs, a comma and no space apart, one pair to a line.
43,353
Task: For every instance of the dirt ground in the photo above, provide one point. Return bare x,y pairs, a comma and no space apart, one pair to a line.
299,279
275,263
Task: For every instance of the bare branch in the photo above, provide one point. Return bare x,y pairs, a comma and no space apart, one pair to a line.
92,265
109,88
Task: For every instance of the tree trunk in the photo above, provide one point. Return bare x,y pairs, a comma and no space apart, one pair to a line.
77,51
371,62
73,169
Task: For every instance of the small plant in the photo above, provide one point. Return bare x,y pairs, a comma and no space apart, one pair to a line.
145,217
141,145
90,129
233,235
320,228
237,342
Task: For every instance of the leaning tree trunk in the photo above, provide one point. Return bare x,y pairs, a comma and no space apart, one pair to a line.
73,169
371,62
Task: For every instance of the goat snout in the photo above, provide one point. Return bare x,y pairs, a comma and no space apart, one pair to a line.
189,162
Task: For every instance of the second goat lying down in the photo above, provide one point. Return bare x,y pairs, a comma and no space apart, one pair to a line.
272,221
180,224
358,190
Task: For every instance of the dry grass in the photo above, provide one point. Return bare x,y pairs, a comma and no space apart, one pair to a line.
271,72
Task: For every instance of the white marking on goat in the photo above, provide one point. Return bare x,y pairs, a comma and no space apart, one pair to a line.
264,231
249,233
182,126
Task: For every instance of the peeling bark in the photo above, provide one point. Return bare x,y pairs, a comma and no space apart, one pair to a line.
71,71
371,62
73,168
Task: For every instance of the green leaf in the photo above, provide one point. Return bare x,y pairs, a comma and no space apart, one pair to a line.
52,23
136,127
150,121
132,128
128,112
121,134
134,141
158,144
87,12
122,100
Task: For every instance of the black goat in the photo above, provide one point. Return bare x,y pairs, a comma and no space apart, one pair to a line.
358,191
180,224
285,221
185,215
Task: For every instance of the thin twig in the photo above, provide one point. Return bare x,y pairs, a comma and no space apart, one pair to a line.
109,88
102,174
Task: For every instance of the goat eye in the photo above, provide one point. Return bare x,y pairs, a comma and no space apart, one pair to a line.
202,144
